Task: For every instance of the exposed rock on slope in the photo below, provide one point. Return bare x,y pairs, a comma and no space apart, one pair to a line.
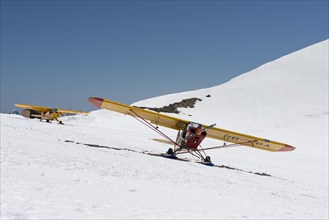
173,108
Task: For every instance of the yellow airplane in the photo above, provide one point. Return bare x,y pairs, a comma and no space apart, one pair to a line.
190,134
45,113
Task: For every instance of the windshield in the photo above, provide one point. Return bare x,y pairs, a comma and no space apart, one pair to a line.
194,125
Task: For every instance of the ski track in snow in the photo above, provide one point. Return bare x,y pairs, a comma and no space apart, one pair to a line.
43,177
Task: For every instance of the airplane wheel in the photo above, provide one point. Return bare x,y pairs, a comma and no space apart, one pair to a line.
170,151
207,159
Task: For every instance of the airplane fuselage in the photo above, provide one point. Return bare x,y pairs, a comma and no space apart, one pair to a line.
192,137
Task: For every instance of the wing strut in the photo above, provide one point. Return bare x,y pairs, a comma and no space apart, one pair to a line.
199,153
196,153
148,124
229,145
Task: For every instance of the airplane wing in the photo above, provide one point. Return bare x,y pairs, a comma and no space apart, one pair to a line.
46,109
179,124
33,107
65,111
153,117
247,140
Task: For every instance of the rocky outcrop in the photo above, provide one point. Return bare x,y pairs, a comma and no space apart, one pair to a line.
173,108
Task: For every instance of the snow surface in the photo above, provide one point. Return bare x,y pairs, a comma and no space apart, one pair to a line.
48,171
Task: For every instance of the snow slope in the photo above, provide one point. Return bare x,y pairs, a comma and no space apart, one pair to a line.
77,171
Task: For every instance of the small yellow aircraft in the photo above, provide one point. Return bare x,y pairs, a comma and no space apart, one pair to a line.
45,113
190,134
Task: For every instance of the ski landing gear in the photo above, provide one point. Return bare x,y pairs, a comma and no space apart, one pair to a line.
170,154
206,160
48,121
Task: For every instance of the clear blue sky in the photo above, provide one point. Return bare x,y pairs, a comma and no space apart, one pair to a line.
59,53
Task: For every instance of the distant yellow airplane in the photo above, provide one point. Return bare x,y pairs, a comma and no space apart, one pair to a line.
45,113
190,134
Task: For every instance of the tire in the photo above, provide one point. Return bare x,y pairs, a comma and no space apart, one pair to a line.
207,159
170,151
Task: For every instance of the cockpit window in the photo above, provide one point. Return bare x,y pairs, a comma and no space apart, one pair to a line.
195,125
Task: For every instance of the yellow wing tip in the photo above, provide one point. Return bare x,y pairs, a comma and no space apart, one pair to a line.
21,105
42,108
83,113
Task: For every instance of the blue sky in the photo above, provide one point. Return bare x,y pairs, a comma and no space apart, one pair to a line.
59,53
